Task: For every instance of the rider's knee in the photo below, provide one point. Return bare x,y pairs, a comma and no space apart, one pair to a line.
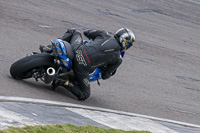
84,96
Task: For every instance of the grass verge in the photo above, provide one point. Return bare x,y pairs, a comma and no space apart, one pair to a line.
68,128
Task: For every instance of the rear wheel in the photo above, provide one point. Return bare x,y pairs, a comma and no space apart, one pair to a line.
22,68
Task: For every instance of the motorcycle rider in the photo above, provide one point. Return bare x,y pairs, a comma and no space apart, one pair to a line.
104,50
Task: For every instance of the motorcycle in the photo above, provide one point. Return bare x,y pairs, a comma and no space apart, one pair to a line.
57,64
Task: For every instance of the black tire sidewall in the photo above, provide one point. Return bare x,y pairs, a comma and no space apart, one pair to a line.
19,69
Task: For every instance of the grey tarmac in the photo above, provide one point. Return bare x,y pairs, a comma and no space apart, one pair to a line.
159,76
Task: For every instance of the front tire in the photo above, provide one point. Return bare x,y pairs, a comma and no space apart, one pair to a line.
21,68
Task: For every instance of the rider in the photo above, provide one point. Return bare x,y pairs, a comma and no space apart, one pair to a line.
104,50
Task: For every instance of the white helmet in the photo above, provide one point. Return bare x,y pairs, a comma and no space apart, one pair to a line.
125,37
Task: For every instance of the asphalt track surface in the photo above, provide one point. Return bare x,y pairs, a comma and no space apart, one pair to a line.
160,75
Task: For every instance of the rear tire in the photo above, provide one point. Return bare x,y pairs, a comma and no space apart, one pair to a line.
21,68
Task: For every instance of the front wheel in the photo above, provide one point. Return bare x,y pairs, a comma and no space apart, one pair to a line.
22,68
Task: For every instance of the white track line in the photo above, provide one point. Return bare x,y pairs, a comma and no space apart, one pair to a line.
63,104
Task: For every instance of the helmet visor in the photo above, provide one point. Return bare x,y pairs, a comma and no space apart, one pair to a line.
128,45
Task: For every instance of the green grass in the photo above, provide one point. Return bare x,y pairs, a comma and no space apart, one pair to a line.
68,128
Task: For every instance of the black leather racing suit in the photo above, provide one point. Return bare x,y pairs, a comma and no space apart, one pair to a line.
104,50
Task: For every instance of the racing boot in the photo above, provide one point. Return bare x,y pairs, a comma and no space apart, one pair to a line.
67,84
60,82
55,84
46,49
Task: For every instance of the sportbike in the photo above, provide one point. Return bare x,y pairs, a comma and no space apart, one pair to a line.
47,67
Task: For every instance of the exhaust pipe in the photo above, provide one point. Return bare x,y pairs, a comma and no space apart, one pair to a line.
49,75
51,71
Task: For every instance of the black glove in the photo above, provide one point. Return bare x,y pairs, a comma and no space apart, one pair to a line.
105,75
